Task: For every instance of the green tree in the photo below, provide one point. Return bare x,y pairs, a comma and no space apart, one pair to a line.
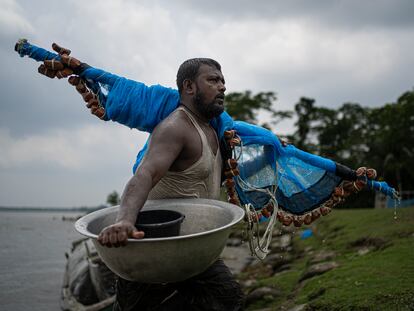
113,198
382,138
306,114
342,133
353,135
244,106
390,139
338,134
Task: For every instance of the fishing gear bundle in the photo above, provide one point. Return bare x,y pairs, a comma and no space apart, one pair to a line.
272,181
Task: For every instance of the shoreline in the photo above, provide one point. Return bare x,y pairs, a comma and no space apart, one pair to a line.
51,209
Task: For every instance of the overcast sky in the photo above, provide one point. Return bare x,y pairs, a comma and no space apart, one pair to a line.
54,153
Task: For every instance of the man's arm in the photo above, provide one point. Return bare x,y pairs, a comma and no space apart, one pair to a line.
167,142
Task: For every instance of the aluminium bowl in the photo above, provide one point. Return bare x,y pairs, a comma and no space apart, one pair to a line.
202,238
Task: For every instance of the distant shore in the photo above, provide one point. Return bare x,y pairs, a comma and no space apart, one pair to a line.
83,209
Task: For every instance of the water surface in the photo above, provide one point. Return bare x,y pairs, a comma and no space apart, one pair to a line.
32,258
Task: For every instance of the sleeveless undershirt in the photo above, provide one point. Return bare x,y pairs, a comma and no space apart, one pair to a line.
200,180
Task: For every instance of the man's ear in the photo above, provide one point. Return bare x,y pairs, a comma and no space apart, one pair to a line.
189,87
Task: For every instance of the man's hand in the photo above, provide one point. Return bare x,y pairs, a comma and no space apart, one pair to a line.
117,234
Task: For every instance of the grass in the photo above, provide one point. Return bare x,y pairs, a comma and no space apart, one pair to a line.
381,279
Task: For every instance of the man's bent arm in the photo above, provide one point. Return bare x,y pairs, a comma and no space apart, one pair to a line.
134,196
166,144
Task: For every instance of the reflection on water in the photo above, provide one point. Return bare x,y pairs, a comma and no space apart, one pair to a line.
32,258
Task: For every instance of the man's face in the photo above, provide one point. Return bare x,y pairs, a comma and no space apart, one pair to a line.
209,97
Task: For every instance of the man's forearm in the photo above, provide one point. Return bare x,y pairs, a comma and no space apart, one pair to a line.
134,196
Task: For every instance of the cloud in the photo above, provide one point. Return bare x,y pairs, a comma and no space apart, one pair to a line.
12,21
67,168
302,59
71,150
333,51
350,15
126,37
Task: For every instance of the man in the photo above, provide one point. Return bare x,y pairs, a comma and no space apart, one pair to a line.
176,145
182,160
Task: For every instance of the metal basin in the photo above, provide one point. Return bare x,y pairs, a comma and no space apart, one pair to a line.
203,236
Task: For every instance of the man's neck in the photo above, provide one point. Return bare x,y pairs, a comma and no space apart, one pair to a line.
193,110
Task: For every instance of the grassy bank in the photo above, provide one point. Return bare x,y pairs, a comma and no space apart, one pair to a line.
372,255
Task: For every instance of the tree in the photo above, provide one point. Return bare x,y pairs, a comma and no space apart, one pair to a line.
390,138
338,134
113,198
342,134
245,106
353,135
305,113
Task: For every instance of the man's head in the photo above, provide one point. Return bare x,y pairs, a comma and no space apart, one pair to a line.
201,83
189,70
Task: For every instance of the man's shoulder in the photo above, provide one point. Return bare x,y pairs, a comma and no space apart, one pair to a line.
176,124
177,118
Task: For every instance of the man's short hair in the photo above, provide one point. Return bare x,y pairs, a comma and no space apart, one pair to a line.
189,70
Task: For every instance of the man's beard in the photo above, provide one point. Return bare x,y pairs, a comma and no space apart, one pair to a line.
208,110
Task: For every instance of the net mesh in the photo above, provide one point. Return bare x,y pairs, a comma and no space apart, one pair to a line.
300,180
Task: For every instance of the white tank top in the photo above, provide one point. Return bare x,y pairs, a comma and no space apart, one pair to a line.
200,180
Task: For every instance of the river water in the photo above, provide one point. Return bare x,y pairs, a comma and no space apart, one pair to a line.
32,258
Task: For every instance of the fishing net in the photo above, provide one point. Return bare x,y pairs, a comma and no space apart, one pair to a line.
268,179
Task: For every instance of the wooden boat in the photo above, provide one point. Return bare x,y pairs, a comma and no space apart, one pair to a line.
88,284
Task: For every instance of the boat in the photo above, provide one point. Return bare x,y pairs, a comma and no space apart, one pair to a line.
88,284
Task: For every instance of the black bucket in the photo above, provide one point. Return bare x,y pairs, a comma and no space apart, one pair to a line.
159,223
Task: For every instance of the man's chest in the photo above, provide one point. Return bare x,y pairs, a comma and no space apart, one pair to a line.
200,143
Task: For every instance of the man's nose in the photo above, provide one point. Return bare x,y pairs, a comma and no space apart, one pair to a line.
222,87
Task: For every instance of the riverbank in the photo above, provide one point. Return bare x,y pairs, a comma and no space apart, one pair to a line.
353,260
